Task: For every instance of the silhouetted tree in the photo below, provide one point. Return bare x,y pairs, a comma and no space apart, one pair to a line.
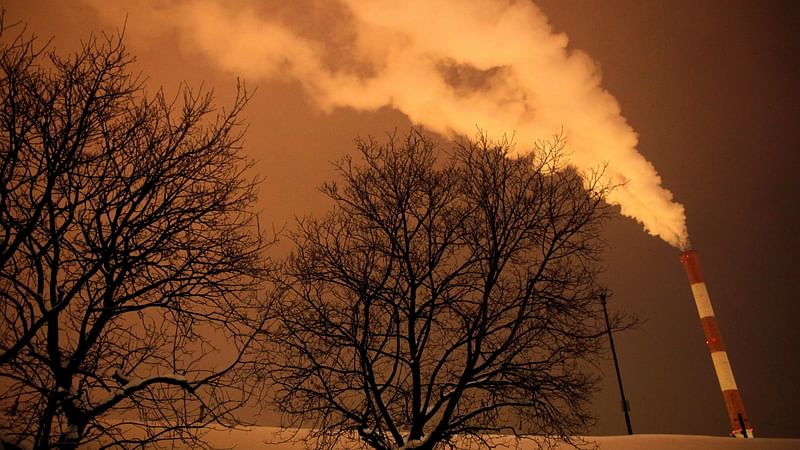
442,300
128,251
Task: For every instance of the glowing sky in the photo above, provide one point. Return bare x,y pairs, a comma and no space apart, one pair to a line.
693,99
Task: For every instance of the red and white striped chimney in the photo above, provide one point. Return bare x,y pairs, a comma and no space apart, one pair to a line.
740,425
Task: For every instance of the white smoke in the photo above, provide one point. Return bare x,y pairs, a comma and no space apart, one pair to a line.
449,65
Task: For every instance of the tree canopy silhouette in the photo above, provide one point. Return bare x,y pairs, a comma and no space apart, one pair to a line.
442,299
128,248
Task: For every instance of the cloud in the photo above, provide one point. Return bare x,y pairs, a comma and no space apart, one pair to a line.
448,65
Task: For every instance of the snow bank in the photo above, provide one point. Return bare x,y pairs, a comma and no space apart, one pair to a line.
270,438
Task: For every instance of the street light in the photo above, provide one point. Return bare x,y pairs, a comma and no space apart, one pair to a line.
625,406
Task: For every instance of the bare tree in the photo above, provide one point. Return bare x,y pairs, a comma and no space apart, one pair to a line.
442,301
128,248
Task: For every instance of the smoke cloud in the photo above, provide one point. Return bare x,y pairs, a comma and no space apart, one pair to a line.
448,65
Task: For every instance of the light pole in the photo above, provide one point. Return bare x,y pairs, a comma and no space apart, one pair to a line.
625,407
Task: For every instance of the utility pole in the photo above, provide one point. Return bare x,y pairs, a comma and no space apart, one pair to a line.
625,406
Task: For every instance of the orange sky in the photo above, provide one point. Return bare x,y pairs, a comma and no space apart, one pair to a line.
708,88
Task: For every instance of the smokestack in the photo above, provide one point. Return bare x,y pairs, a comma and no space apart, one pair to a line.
740,425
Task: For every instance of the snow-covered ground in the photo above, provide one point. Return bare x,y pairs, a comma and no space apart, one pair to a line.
260,438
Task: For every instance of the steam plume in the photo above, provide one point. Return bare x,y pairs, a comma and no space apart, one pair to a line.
449,65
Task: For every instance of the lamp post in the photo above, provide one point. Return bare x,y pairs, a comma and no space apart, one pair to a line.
625,407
